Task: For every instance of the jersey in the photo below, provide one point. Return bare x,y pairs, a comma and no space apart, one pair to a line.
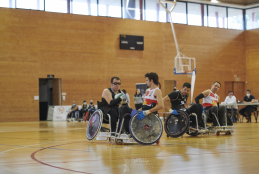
104,102
150,101
210,100
177,100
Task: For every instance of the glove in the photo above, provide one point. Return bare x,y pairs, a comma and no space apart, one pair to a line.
173,112
141,114
90,109
123,97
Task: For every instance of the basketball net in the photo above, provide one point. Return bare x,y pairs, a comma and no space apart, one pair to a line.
183,64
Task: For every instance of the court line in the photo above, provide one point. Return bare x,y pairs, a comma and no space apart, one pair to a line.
4,152
34,158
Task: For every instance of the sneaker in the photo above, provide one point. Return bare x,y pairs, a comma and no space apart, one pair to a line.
69,119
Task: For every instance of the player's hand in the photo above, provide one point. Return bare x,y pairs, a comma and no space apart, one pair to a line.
173,112
141,115
123,97
90,109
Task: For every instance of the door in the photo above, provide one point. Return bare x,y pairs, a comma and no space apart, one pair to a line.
49,95
239,90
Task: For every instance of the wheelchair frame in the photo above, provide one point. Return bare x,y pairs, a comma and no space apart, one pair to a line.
227,129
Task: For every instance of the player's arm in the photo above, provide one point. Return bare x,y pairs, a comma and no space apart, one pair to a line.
108,97
202,95
160,103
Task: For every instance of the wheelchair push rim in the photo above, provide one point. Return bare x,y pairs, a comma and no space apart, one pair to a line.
147,131
177,125
94,125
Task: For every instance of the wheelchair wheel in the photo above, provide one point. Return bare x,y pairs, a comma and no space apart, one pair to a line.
94,125
146,131
176,125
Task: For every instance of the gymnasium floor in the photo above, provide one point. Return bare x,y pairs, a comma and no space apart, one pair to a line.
61,147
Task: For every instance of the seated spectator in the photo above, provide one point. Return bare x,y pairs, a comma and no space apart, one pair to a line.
229,100
246,111
91,108
72,114
83,110
128,98
138,100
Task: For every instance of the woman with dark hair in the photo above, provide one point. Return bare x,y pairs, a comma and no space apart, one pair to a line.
138,100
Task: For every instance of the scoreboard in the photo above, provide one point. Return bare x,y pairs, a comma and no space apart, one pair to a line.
130,42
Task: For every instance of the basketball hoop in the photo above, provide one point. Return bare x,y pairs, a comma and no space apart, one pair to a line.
183,64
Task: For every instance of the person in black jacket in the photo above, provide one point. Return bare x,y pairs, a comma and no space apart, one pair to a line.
91,108
83,110
178,101
109,104
246,111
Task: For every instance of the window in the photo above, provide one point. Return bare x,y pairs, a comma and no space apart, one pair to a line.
155,12
7,3
252,18
30,4
60,6
111,8
194,14
133,9
85,7
217,17
179,12
205,15
235,18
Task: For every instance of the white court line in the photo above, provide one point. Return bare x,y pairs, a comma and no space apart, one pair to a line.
18,148
4,152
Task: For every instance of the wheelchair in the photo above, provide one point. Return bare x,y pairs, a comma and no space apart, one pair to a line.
146,132
177,125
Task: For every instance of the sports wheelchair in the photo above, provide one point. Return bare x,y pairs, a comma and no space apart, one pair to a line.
147,131
177,125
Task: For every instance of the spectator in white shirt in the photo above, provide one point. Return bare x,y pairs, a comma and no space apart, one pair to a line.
229,100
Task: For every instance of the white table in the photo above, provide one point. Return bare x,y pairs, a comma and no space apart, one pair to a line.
239,104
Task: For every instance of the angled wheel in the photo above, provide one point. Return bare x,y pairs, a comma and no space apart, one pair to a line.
176,125
94,125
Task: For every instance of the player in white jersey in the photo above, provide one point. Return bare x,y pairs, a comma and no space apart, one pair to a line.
211,103
153,99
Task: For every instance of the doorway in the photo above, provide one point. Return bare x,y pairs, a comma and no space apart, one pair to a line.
49,94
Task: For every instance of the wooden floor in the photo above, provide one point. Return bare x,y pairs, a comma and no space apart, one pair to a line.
60,147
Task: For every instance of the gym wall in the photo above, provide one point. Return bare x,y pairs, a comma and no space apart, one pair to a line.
84,52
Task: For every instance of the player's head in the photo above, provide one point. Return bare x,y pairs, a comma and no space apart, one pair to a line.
230,94
151,78
215,86
186,88
115,83
91,102
74,103
137,91
175,89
